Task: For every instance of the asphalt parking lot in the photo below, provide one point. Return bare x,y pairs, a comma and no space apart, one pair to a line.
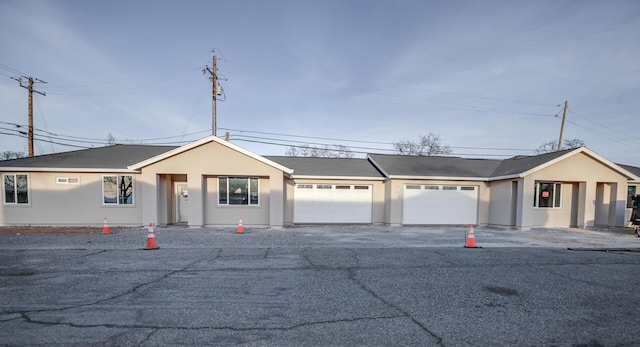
321,286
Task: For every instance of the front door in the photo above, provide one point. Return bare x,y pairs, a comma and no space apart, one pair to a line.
182,203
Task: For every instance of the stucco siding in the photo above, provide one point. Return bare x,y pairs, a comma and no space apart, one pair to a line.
252,215
202,166
81,204
601,194
500,205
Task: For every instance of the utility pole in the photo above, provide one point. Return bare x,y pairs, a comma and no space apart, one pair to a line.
214,92
29,87
564,116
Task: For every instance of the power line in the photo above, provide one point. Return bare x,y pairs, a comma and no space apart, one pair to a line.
360,141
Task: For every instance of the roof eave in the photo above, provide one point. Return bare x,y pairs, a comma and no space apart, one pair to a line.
63,169
438,178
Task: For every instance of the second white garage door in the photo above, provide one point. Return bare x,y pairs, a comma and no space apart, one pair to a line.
440,204
331,203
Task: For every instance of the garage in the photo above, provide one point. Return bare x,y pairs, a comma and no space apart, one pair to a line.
332,203
440,204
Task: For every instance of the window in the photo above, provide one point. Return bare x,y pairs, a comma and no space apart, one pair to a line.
547,194
432,187
117,190
467,188
238,191
16,189
413,187
631,191
343,187
324,186
450,188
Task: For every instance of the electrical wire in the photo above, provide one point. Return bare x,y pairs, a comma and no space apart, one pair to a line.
360,141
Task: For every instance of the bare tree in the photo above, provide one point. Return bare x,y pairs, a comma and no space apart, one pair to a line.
552,146
6,155
426,146
326,151
111,140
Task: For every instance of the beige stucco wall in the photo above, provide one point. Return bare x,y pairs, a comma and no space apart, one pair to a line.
501,205
395,191
582,176
81,204
378,194
202,165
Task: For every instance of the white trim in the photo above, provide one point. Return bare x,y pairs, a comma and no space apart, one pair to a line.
439,178
377,166
204,141
340,178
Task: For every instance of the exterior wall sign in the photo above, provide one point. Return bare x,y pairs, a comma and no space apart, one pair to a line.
68,180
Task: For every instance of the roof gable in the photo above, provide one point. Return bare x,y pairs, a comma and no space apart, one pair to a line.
208,139
522,166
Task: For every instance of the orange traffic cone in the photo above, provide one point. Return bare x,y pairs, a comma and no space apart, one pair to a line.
240,228
471,239
105,228
151,239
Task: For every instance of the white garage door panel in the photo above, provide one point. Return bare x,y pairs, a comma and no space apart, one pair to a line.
319,203
440,206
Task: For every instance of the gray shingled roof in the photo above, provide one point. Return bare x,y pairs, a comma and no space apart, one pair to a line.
340,167
633,169
402,165
109,157
521,163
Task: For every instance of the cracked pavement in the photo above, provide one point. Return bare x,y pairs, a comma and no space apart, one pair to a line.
299,287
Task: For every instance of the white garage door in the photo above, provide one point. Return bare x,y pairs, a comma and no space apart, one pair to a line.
440,204
331,203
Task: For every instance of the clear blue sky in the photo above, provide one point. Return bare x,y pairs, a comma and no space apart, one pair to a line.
488,77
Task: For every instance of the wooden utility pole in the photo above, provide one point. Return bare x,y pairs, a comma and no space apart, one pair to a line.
29,87
214,93
564,116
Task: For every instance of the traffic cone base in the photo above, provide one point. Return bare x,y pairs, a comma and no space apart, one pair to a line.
105,228
240,227
471,239
151,239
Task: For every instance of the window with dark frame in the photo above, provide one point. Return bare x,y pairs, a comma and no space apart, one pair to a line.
238,191
547,195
